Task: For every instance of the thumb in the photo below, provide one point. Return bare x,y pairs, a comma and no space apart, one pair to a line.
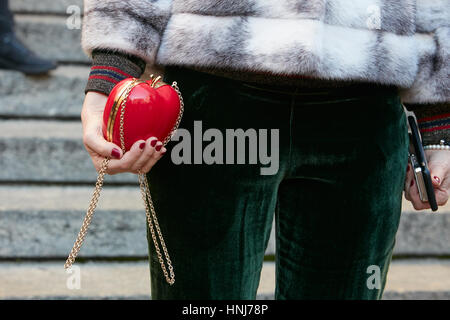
92,120
96,142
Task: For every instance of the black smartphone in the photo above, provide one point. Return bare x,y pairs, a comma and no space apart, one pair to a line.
419,166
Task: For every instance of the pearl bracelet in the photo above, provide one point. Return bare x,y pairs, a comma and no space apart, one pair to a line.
441,146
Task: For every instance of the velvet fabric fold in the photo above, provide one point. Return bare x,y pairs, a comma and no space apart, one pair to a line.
336,195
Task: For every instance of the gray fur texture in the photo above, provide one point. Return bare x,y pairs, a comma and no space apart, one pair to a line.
402,42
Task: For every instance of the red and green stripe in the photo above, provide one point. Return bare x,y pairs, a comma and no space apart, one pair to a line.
434,123
108,73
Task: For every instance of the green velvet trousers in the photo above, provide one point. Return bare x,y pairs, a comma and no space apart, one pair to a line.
336,195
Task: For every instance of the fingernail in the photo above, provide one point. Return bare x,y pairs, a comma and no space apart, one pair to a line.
142,145
437,179
412,183
163,152
115,153
153,143
158,147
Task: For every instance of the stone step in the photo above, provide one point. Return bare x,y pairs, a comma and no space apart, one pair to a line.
55,215
423,232
407,279
44,6
50,37
57,95
49,151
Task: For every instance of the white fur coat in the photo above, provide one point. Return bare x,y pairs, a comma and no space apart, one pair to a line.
400,42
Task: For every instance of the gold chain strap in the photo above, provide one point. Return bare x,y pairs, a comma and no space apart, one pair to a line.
146,197
89,214
152,220
180,115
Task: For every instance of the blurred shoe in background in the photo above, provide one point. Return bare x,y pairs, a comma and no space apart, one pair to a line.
13,53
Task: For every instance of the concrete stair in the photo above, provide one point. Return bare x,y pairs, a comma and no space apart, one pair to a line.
118,228
411,279
49,35
58,7
47,179
47,151
64,103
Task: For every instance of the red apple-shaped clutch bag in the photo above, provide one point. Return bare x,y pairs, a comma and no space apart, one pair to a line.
137,110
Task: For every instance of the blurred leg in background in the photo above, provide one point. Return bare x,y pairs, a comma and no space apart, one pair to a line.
13,54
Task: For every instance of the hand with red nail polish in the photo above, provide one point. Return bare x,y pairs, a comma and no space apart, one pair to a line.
140,158
152,153
437,180
439,165
92,121
115,153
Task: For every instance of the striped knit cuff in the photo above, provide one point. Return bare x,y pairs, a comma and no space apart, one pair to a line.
109,68
434,123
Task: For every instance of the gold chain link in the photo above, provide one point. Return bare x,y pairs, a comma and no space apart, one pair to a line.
89,214
145,192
